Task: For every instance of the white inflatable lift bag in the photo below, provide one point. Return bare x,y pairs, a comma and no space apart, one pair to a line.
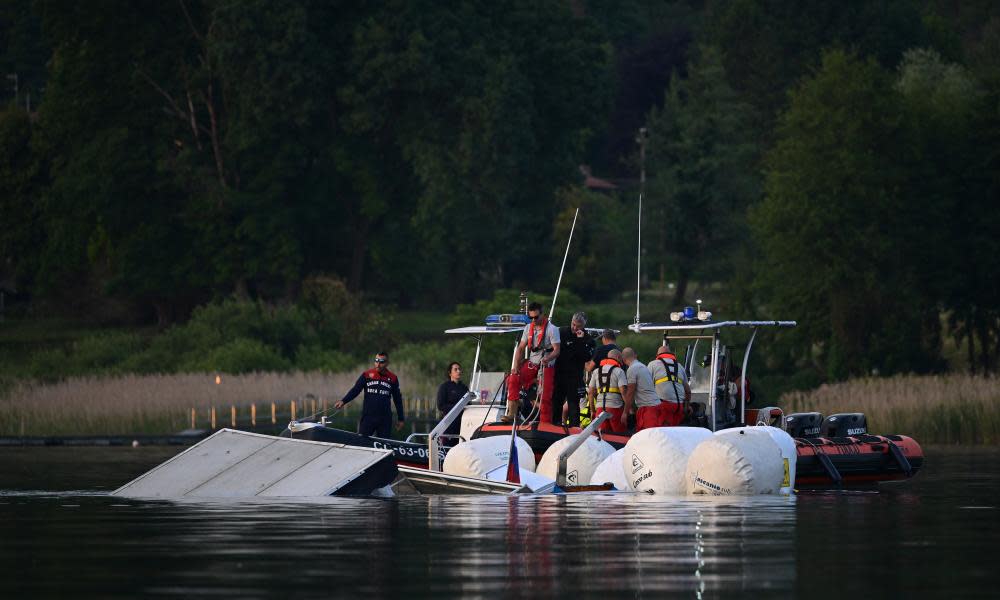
611,471
581,464
736,464
655,459
476,458
788,453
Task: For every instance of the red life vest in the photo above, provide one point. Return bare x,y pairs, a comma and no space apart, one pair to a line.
541,335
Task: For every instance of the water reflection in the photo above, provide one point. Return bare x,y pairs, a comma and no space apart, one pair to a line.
921,540
623,546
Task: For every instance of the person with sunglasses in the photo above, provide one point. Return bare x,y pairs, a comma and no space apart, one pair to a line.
540,341
379,384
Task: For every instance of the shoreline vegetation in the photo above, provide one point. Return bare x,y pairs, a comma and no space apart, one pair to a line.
933,409
163,404
944,409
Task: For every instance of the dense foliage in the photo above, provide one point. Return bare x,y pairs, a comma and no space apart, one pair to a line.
266,182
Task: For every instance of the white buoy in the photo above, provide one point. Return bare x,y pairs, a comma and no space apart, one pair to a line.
476,458
736,464
655,459
786,444
611,471
581,464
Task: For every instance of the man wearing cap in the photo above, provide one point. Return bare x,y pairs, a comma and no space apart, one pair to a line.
671,386
540,341
380,384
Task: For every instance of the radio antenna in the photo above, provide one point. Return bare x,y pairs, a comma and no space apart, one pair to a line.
641,138
552,308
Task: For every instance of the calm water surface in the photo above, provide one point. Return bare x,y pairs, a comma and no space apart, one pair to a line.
61,535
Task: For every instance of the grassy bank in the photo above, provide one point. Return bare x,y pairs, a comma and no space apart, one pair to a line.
156,404
945,409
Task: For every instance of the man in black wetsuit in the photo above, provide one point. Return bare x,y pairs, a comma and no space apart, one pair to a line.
379,385
577,349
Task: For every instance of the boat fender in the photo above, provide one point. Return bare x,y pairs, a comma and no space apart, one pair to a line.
738,464
478,457
655,459
610,471
786,444
581,464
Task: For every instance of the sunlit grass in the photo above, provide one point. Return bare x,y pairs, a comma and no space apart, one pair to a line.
945,409
161,404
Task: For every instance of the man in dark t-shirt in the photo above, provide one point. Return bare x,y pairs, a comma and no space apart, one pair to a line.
608,343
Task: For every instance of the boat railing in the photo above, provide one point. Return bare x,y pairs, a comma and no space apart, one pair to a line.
433,460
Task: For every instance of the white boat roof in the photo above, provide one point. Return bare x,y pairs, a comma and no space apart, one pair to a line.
481,329
692,325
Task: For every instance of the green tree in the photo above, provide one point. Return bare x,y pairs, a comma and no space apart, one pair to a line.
702,177
836,231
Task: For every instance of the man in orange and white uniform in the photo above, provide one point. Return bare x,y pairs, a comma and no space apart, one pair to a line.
671,386
541,341
606,393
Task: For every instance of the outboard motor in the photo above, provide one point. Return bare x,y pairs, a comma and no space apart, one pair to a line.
844,425
804,425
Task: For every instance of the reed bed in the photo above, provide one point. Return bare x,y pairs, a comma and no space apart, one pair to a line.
943,409
162,404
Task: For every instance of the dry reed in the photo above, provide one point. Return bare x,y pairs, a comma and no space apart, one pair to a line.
158,404
944,409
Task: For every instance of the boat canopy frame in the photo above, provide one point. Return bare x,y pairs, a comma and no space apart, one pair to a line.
716,328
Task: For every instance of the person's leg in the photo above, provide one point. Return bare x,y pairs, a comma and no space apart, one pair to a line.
671,414
548,383
367,425
559,397
646,417
614,424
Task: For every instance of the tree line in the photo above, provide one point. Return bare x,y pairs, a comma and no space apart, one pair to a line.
835,163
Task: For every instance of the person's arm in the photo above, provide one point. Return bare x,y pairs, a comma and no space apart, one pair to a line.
397,398
551,358
351,395
628,394
442,399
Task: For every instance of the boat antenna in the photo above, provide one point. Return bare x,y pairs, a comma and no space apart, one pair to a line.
641,138
552,308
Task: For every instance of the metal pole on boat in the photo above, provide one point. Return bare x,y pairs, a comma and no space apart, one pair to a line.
713,392
474,382
743,376
433,460
552,308
570,449
642,185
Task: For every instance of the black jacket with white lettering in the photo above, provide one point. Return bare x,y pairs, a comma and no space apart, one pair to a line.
378,390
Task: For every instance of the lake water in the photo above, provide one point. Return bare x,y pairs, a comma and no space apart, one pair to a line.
61,535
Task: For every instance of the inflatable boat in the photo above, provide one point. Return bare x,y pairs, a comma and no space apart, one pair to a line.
831,452
861,460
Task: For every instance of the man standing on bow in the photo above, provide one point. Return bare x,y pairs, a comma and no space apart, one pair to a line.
379,384
540,341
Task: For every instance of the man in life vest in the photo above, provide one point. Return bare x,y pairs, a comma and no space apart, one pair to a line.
575,350
641,392
379,384
540,341
608,386
671,384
